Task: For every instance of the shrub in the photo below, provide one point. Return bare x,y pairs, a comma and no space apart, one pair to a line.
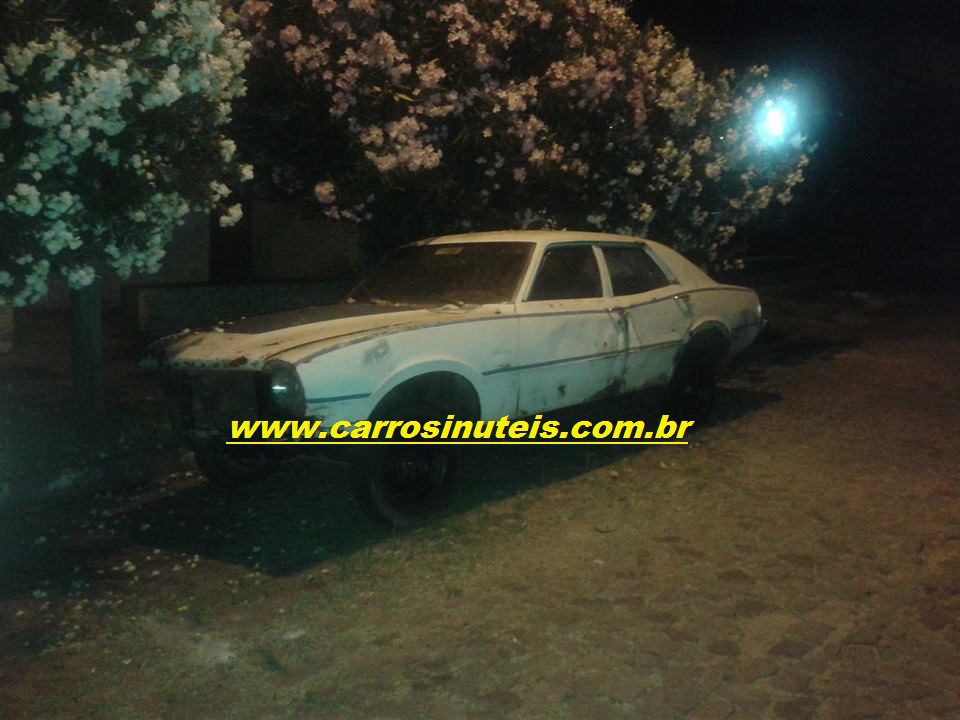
111,131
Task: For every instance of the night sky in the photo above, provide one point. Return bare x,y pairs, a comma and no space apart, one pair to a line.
882,89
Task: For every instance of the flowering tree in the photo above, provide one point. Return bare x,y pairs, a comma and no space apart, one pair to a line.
111,119
111,122
705,168
430,116
426,117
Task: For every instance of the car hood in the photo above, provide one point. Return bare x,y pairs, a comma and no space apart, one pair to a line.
250,342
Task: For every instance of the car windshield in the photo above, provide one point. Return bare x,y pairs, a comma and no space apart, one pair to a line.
455,273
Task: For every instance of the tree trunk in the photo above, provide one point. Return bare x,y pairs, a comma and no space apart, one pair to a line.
87,349
6,328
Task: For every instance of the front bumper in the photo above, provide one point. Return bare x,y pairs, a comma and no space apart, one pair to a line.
204,402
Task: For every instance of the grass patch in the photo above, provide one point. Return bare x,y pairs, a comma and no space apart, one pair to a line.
270,663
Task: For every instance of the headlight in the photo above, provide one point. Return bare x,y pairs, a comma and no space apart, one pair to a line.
285,389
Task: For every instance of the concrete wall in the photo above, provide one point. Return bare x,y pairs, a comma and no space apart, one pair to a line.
167,309
295,261
290,246
187,261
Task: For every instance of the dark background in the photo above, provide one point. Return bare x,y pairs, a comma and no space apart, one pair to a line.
880,84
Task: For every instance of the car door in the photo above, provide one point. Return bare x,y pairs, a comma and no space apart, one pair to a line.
658,314
571,345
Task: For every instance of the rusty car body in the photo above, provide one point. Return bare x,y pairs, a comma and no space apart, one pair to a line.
480,325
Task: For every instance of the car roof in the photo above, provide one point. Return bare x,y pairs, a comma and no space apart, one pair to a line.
684,270
541,237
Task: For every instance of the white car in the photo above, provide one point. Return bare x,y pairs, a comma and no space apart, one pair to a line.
479,326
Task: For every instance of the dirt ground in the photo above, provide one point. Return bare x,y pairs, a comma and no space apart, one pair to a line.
801,559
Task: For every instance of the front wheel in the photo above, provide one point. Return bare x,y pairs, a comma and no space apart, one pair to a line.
407,484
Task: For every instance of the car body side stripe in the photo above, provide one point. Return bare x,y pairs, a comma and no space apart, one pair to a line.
339,398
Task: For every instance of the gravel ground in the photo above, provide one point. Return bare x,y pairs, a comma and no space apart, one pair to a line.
801,559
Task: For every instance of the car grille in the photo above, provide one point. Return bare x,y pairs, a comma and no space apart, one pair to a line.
208,400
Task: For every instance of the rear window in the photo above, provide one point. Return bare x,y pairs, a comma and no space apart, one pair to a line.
632,270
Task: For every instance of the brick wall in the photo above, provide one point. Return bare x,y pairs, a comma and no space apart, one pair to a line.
290,246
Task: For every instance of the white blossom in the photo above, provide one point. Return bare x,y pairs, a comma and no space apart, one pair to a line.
79,276
219,190
88,105
25,199
232,216
228,149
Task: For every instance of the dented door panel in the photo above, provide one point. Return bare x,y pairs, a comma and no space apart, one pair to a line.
658,323
572,352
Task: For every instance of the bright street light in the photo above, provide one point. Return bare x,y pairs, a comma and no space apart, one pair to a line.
776,121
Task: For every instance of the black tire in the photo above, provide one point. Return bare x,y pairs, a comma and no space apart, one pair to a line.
406,484
692,392
234,467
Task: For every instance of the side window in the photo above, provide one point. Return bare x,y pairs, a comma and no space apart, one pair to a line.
632,270
567,273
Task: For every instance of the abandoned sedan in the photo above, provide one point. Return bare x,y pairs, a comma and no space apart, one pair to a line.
478,326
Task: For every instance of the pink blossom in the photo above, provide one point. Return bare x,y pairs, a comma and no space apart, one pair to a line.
325,192
290,35
372,135
252,12
431,84
430,75
368,7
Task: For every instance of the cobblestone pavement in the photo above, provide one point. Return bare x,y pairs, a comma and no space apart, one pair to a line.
800,560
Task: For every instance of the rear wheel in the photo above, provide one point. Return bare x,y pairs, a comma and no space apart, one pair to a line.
692,392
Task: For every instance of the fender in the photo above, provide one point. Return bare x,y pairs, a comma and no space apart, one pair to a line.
420,367
709,325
